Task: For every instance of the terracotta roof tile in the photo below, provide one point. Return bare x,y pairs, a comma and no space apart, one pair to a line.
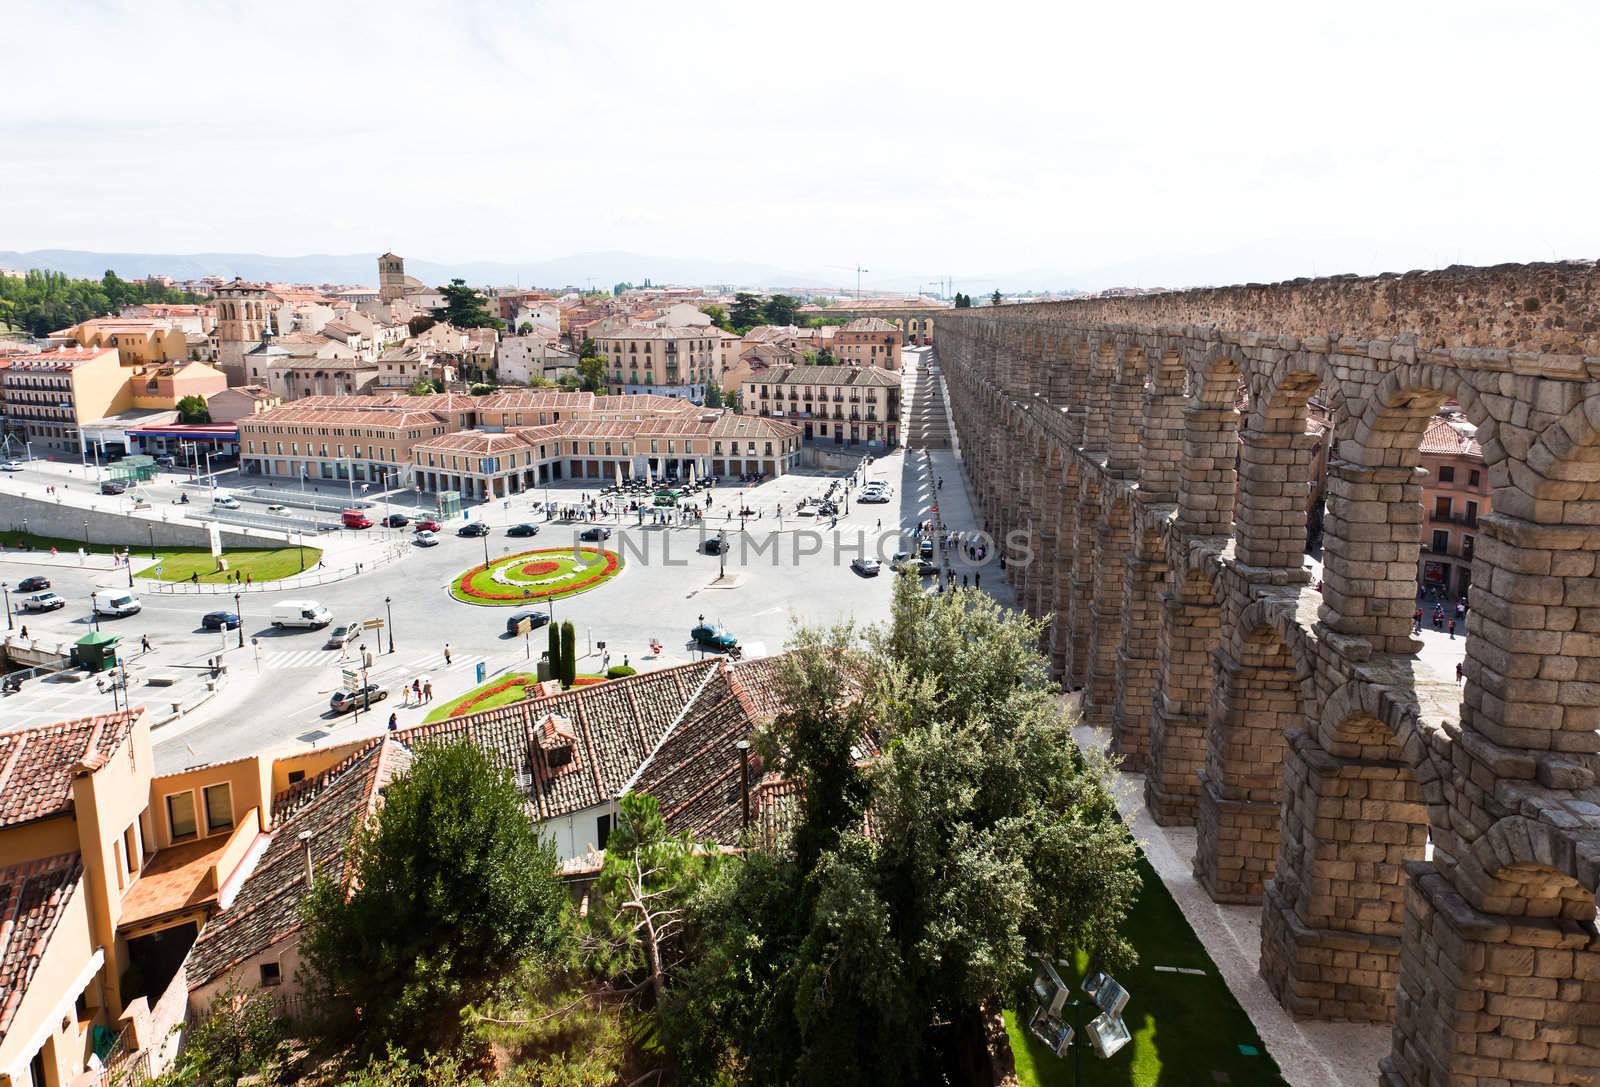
36,764
33,896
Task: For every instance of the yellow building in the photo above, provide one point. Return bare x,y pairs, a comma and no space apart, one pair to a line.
50,395
107,875
162,387
677,362
140,341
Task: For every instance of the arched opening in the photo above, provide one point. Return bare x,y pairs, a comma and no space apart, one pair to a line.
1255,704
1209,476
1277,478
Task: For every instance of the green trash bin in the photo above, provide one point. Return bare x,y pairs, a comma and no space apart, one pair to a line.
96,651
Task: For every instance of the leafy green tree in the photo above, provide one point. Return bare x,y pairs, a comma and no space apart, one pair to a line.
857,958
587,349
569,654
963,301
746,313
996,298
193,410
713,394
448,887
781,309
556,666
479,388
524,328
825,357
465,307
619,288
422,387
592,374
718,315
241,1035
40,301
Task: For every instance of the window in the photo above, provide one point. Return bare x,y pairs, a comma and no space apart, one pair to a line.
1472,478
1441,542
271,974
219,807
602,831
130,847
1441,508
1447,474
1466,546
1472,513
296,776
180,816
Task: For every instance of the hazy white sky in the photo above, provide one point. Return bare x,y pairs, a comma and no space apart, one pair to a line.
1127,142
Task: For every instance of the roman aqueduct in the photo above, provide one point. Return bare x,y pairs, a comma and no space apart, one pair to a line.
1423,852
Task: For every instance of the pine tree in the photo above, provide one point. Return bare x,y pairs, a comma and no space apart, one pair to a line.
569,654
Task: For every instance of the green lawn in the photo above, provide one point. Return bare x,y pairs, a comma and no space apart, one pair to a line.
1187,1029
270,565
178,563
515,693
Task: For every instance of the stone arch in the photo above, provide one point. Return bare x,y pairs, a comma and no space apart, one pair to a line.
1209,477
1258,698
1522,867
1277,476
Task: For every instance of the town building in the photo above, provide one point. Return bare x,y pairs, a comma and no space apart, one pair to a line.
241,320
524,359
868,341
844,405
677,362
49,396
1455,497
162,387
231,405
140,341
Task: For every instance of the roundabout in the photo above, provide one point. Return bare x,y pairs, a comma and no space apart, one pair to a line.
530,577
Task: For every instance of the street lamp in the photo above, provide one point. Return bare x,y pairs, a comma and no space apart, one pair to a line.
485,539
388,606
238,613
1054,1021
152,529
86,535
6,588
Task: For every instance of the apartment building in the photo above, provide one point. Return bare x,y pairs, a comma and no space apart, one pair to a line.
868,341
678,362
48,396
162,387
1454,498
139,341
525,358
353,441
844,405
107,875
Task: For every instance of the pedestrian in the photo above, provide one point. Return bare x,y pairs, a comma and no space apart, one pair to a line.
427,691
447,654
249,579
25,636
416,689
963,581
1416,621
977,579
394,721
1458,671
1452,628
194,578
144,641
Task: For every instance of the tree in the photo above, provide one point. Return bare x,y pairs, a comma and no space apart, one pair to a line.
448,887
587,349
193,410
713,394
422,387
963,301
592,374
465,307
781,309
857,957
617,290
996,298
556,667
569,654
718,315
40,302
479,388
525,328
746,313
825,357
241,1036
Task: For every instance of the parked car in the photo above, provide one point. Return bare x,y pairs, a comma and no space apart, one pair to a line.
926,568
354,519
595,532
111,486
871,497
426,524
278,511
10,466
714,545
535,619
345,701
342,636
397,520
33,584
220,620
43,602
426,539
865,567
925,549
523,530
225,502
714,637
167,460
473,528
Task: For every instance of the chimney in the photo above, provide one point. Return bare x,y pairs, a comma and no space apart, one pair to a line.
304,838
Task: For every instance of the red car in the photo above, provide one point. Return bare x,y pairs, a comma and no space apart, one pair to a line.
427,524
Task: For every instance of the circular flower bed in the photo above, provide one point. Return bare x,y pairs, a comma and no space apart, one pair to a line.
533,576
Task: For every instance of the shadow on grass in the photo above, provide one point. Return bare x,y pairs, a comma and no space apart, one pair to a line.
1187,1028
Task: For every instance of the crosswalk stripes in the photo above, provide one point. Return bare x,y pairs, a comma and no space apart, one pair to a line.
328,658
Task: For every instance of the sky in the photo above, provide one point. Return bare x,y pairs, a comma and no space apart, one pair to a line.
1046,145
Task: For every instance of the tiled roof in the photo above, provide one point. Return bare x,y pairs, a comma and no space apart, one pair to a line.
534,399
694,772
473,441
835,375
617,725
33,896
870,324
1446,438
267,908
36,764
63,359
752,426
298,412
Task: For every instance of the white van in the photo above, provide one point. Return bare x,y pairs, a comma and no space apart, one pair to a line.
300,613
116,602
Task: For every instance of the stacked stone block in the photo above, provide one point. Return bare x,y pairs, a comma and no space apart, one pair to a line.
1373,522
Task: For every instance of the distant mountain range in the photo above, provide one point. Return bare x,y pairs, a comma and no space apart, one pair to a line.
601,269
